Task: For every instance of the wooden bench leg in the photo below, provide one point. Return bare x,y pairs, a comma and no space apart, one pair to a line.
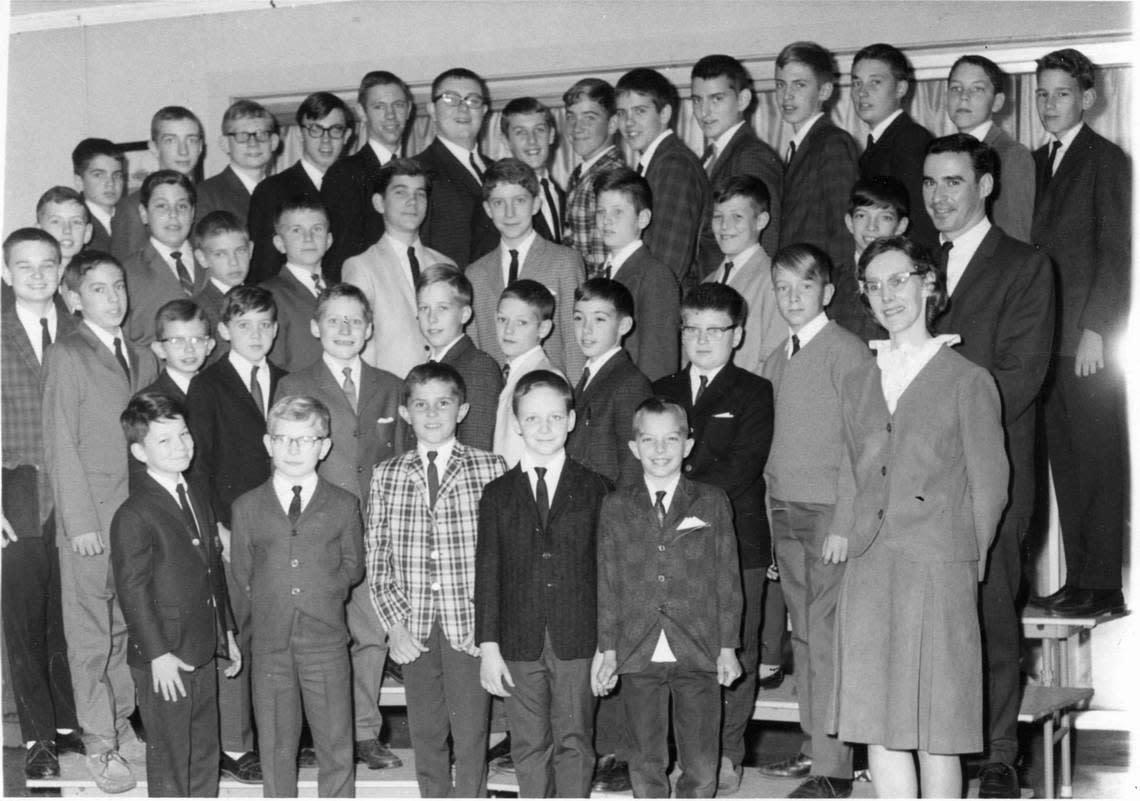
1066,756
1048,743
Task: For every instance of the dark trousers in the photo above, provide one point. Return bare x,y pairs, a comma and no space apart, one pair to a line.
740,698
1085,436
551,714
33,635
182,750
313,670
696,723
445,698
235,696
1000,618
811,589
610,726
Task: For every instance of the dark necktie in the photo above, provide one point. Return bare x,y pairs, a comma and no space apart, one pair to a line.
540,496
556,224
183,274
295,505
727,270
188,514
45,338
708,158
433,478
318,282
640,168
659,507
475,166
795,344
791,152
704,379
513,269
944,256
1052,161
870,141
575,178
255,390
607,270
506,372
349,387
585,379
121,359
414,264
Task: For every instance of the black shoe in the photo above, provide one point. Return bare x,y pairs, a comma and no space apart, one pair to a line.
1048,601
611,775
394,671
998,780
822,787
70,743
1088,603
40,761
245,769
307,757
797,767
499,756
376,755
772,680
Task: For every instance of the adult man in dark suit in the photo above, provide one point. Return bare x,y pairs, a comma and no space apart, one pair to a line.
1082,221
881,78
647,106
385,103
722,102
1002,305
325,130
528,126
456,223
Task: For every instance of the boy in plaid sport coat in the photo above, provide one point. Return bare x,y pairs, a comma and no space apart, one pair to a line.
423,516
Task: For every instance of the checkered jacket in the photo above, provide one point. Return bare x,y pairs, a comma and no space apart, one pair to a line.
579,229
403,533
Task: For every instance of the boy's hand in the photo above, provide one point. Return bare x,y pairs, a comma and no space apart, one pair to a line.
493,672
9,535
402,646
224,536
603,673
235,656
727,667
1090,353
834,549
89,544
165,676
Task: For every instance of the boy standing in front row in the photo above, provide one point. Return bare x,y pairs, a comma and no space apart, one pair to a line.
668,607
422,524
297,551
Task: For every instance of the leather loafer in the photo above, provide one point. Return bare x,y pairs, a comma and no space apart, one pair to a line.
376,755
822,787
41,761
772,680
394,671
245,769
1088,603
1048,601
499,756
611,775
998,780
797,767
70,743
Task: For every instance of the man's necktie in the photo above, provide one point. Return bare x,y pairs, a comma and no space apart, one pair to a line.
475,166
727,270
640,168
795,344
318,282
791,152
870,141
255,390
556,232
708,158
45,338
944,256
582,382
541,498
607,270
183,274
513,269
1052,161
122,359
188,513
659,507
414,264
704,379
575,178
349,387
433,478
506,372
295,505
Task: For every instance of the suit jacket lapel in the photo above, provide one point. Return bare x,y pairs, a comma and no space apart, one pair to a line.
177,521
237,388
458,168
713,391
978,264
392,275
303,177
333,389
682,500
14,329
234,184
730,149
104,355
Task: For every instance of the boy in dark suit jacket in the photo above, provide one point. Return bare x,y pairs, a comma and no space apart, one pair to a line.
730,412
535,592
100,174
222,249
182,343
249,138
298,549
529,128
881,78
33,622
1082,222
166,558
323,119
722,106
668,607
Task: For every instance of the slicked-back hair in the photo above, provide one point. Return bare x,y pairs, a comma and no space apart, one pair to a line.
90,148
383,78
61,194
84,262
655,86
433,371
533,294
983,158
715,297
395,167
179,310
22,235
922,262
242,299
880,191
542,379
173,114
1070,61
146,408
447,274
997,77
744,185
609,291
510,171
342,290
626,181
812,55
804,261
890,55
300,409
601,92
172,177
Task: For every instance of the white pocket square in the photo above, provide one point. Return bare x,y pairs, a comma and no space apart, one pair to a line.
724,416
691,524
383,420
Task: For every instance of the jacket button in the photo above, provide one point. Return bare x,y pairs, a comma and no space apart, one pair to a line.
661,609
359,469
547,555
661,547
434,555
884,470
688,468
195,542
880,514
888,428
294,563
296,591
435,586
661,579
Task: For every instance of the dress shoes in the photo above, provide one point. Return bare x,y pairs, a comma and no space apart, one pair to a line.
797,767
1048,601
1088,603
499,756
611,775
772,680
245,769
41,761
70,743
822,787
394,671
998,780
376,755
111,773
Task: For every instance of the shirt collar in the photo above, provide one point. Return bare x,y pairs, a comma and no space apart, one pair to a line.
970,239
31,320
304,276
619,256
442,352
740,259
878,130
980,132
442,454
283,486
670,488
99,213
553,470
336,367
721,142
167,484
244,365
220,287
1068,136
598,363
808,331
165,250
181,381
695,376
590,162
805,129
106,338
647,156
523,358
247,180
315,173
383,154
522,247
462,153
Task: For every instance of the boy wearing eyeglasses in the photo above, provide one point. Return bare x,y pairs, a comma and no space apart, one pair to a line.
249,137
456,222
182,341
298,548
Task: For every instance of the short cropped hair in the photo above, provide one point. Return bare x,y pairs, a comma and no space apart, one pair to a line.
84,262
399,166
91,148
626,181
217,223
654,85
447,274
601,92
997,77
525,105
300,409
721,66
610,291
22,235
382,78
533,294
302,202
715,297
804,261
179,310
173,114
460,73
542,379
242,299
923,264
743,185
880,191
146,408
814,56
890,55
61,194
433,371
342,290
658,405
319,105
983,158
247,110
161,177
510,171
1072,62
